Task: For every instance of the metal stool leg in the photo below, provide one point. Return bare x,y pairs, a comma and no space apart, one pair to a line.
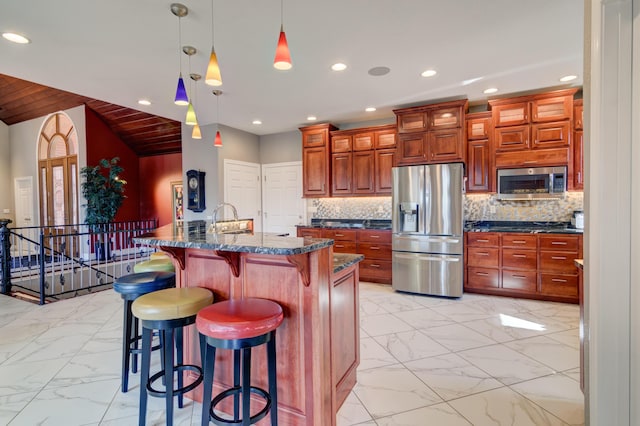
236,383
168,374
208,364
126,345
144,376
134,341
273,386
246,386
179,358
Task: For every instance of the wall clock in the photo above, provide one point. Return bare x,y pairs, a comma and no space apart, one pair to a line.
195,190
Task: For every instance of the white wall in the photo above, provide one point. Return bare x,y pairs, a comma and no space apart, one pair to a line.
281,147
6,195
23,138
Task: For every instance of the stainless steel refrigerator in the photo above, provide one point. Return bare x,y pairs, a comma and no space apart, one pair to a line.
427,226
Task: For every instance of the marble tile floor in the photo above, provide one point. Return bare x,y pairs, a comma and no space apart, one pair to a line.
477,360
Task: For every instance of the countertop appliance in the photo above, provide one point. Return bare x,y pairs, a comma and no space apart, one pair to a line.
577,219
532,183
427,229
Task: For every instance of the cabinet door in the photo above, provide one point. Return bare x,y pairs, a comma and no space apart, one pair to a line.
578,160
533,158
384,160
478,166
384,139
412,122
510,114
552,109
314,138
445,118
514,138
341,173
363,141
363,165
315,166
446,145
550,135
340,143
578,115
412,148
478,128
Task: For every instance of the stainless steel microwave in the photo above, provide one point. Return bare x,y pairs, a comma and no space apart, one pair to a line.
532,183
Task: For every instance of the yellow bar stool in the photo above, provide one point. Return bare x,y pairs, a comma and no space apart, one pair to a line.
159,255
168,311
157,265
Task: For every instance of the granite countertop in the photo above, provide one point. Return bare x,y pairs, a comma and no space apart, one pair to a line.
344,260
349,223
525,227
194,235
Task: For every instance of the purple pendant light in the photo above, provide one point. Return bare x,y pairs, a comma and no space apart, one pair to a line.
180,11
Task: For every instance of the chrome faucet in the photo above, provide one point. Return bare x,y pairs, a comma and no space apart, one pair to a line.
218,207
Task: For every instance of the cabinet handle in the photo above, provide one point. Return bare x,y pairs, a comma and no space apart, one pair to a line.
482,254
519,255
339,246
374,236
375,248
482,241
558,243
559,257
518,242
519,276
558,280
482,274
375,265
530,162
579,177
339,235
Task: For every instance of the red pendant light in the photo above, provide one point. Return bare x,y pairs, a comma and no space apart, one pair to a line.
218,140
282,60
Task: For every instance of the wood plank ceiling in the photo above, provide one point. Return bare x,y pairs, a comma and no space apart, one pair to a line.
145,134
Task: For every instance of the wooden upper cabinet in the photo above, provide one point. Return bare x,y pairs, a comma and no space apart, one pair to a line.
478,170
552,109
385,138
412,148
412,122
512,138
578,115
363,172
340,143
479,127
512,114
445,118
384,161
314,137
446,145
363,141
550,135
315,160
341,170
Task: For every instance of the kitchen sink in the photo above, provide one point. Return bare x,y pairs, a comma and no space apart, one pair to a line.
239,226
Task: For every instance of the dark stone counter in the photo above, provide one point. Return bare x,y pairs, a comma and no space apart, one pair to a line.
344,260
194,235
525,227
349,223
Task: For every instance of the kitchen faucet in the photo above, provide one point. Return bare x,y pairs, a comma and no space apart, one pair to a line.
215,213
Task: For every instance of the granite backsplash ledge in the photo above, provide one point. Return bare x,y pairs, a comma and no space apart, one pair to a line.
476,207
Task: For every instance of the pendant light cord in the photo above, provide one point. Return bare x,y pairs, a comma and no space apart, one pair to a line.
212,33
281,14
180,42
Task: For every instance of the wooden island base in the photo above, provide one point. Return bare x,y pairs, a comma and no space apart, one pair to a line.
318,342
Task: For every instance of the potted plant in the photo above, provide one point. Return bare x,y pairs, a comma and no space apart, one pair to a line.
104,192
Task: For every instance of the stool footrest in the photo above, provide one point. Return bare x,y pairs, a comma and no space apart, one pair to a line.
179,391
235,391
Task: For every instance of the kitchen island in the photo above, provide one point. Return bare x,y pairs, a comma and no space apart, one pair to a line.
318,341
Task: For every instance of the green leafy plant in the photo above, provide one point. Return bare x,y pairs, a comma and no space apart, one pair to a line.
104,192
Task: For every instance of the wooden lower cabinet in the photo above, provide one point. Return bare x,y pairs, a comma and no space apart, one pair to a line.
536,266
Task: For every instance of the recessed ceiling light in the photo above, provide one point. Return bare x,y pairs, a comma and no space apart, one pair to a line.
144,102
16,38
370,109
568,78
257,122
490,90
378,71
312,118
429,73
338,67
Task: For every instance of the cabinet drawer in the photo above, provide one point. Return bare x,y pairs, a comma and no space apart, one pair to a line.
550,135
310,232
483,257
512,138
483,239
519,280
375,251
344,247
519,259
559,261
559,242
483,277
533,158
520,241
378,270
559,285
381,237
340,234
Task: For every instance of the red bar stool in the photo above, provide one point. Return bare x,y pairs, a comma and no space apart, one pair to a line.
239,325
168,311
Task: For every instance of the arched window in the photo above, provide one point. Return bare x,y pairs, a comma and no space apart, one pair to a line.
58,171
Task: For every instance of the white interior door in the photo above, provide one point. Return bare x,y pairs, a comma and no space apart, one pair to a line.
242,189
283,205
23,193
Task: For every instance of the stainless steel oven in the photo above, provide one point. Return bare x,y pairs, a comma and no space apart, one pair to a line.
532,183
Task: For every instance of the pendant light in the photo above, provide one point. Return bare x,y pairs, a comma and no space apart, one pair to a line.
213,76
195,133
282,61
218,140
191,119
180,11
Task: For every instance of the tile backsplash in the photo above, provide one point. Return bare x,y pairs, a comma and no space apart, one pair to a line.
476,207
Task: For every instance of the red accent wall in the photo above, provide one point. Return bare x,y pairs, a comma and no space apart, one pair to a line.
156,174
103,143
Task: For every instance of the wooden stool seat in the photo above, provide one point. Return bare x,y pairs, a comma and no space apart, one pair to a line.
154,265
239,319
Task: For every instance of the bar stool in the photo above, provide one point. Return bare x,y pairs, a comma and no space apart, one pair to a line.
168,311
157,264
130,288
239,325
